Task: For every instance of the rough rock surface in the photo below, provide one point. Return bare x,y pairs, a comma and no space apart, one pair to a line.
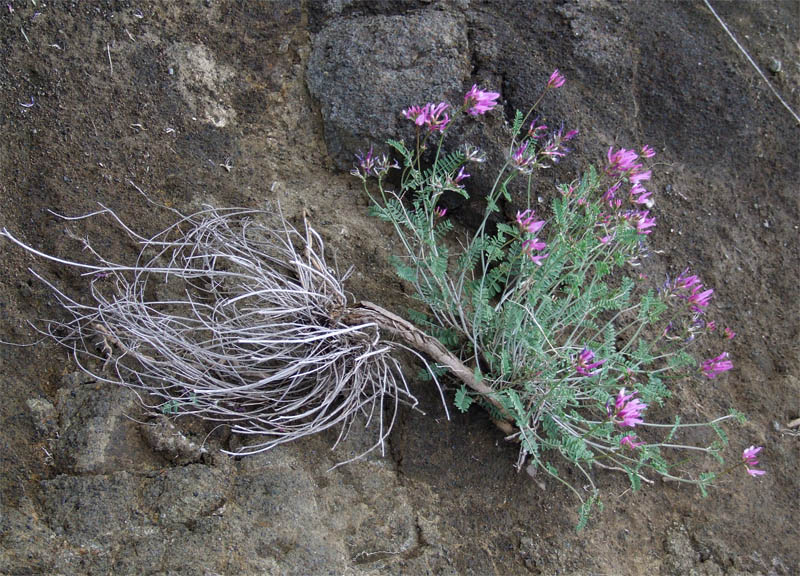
361,68
236,103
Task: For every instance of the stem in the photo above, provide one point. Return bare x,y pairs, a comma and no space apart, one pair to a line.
418,340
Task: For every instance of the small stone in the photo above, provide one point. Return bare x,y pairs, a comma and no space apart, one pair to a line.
43,413
775,66
164,437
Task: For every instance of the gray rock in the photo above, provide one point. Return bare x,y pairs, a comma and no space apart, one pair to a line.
45,418
364,71
97,434
92,506
164,437
276,493
184,494
27,542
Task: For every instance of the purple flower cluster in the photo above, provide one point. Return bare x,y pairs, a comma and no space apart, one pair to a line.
528,223
371,165
624,165
627,409
641,220
630,442
522,160
479,102
554,148
526,158
556,80
750,460
715,366
455,182
689,287
434,116
585,364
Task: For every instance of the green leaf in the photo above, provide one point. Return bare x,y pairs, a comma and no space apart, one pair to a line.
504,192
635,481
723,437
706,478
585,511
408,158
517,125
506,229
463,400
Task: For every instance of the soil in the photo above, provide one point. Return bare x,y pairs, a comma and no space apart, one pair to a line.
208,102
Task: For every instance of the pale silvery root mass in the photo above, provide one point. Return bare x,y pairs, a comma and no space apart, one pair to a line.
241,322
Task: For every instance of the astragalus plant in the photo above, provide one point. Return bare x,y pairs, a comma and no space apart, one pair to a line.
549,308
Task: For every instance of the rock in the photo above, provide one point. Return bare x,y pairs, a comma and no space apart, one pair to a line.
164,437
45,418
364,71
97,435
27,542
186,493
276,493
90,507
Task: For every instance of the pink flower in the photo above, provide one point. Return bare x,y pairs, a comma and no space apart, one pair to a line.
584,364
606,239
621,161
537,131
431,115
647,151
627,409
533,244
699,298
528,223
750,461
641,220
418,114
729,334
638,177
631,442
556,79
538,258
439,212
711,325
685,281
644,224
437,117
479,102
714,366
641,196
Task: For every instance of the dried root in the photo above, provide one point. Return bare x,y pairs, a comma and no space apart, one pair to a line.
238,322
